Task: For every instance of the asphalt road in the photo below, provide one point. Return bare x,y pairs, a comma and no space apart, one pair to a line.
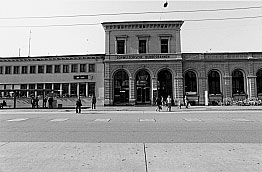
132,127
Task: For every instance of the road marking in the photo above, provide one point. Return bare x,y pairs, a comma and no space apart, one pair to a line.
102,120
17,119
147,120
192,120
241,120
59,119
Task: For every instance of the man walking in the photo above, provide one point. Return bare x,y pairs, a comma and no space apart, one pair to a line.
93,102
78,105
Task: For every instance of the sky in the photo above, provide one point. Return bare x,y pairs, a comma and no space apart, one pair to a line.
48,39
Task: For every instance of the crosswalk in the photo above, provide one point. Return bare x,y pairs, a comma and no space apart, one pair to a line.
141,120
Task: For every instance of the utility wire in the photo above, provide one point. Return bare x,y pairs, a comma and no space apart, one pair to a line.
92,24
130,13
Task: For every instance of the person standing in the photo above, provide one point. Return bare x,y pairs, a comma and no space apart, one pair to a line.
93,102
169,103
36,102
45,100
50,102
186,101
78,105
33,102
159,104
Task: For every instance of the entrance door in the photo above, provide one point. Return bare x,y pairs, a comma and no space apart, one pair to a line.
143,87
143,95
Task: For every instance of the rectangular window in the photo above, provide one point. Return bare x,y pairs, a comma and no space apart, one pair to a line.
65,68
41,68
91,88
142,46
23,93
82,89
31,92
91,68
57,88
65,87
120,46
73,89
82,67
32,69
57,68
24,69
164,45
74,68
40,86
16,70
1,69
49,69
48,86
8,70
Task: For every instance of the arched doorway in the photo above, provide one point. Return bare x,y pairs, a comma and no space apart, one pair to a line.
238,82
214,89
121,87
143,88
164,83
259,83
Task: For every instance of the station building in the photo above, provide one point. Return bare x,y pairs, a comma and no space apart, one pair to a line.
142,61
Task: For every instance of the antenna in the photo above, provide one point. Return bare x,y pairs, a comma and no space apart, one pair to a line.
29,46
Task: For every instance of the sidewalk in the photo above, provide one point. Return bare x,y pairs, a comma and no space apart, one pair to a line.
145,109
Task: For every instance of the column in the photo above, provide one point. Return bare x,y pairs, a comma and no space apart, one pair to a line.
77,90
227,87
154,90
27,92
251,88
178,88
69,89
60,90
202,87
132,99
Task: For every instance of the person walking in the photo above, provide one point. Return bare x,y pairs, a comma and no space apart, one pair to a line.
169,103
186,101
78,105
36,102
33,102
159,104
93,99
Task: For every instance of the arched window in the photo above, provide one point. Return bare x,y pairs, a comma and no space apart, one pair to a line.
190,82
214,82
259,82
237,82
121,87
164,83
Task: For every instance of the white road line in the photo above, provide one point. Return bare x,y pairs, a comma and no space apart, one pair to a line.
241,120
102,120
192,120
147,120
59,119
17,119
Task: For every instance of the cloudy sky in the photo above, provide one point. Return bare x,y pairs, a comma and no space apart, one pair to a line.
64,27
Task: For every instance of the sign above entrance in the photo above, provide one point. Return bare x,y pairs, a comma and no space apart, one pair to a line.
83,77
152,56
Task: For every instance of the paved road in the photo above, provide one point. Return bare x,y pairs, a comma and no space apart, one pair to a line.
132,127
124,141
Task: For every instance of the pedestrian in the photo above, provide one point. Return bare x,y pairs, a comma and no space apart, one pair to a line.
45,100
159,104
186,101
50,102
36,102
93,99
169,103
78,105
33,102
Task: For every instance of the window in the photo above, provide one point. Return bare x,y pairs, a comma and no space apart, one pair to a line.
91,68
65,87
41,68
91,88
214,83
57,88
65,68
82,89
32,87
32,69
74,68
48,86
24,69
8,70
57,69
259,81
164,45
16,70
40,86
82,67
49,68
23,93
190,82
142,46
237,82
120,46
73,89
1,69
